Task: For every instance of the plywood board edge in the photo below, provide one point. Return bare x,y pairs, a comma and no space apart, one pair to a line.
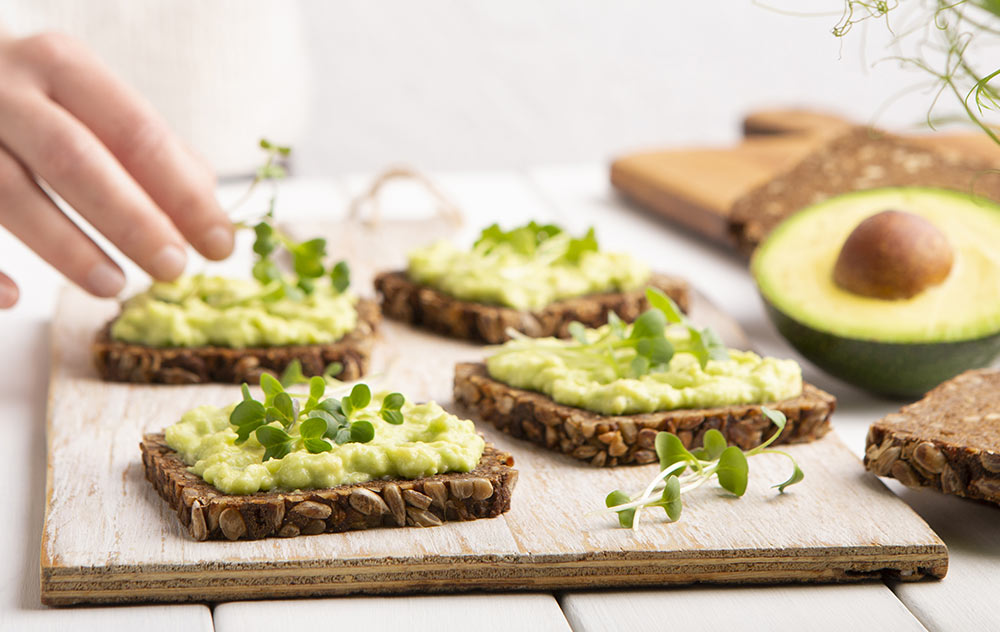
67,586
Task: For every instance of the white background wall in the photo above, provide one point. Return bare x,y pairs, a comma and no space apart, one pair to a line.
477,84
459,84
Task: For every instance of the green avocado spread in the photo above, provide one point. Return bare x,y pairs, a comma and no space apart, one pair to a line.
542,365
526,268
202,310
429,441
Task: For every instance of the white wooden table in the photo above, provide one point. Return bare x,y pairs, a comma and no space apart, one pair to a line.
577,197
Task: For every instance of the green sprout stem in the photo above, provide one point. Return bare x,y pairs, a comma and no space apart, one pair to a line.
631,350
950,28
692,469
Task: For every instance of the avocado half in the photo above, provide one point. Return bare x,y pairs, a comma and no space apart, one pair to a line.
892,347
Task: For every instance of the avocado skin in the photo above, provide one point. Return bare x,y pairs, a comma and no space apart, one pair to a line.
898,370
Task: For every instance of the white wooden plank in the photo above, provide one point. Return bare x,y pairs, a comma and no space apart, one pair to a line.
966,599
22,466
439,613
767,609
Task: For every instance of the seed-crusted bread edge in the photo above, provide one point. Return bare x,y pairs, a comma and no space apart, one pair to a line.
118,361
626,439
209,514
914,447
408,301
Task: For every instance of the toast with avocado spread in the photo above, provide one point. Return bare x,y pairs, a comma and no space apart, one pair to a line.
209,514
605,394
122,360
535,279
606,440
291,465
411,302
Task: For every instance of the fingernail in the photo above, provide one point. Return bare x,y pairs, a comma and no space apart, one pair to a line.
168,264
105,280
8,295
218,242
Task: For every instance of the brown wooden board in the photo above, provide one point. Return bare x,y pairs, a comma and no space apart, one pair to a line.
108,537
697,187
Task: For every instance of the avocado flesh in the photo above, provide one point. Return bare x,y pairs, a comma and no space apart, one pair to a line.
902,347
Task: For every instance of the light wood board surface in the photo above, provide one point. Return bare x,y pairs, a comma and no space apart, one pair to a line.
697,187
109,538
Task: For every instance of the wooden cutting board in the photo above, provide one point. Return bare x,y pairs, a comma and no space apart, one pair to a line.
108,537
697,187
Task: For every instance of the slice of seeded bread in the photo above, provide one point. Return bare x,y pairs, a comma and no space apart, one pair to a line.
857,159
210,514
406,300
948,441
624,439
118,361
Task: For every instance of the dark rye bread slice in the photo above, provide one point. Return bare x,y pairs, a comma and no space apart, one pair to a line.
406,300
118,361
624,439
859,158
210,514
948,441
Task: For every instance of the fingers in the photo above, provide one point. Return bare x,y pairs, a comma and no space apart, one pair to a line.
8,292
138,137
55,146
31,216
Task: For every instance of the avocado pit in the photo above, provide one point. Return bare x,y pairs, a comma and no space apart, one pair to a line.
893,255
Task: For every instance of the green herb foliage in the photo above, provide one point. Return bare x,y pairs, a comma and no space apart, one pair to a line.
270,242
642,348
293,375
683,470
940,38
534,239
314,424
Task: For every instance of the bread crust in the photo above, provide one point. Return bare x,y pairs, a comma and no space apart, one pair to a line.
210,514
605,440
857,159
118,361
948,441
406,300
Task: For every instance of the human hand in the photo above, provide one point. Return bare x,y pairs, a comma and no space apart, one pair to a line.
67,120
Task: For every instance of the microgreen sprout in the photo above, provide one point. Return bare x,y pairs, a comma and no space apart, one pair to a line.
546,241
683,470
293,375
632,351
280,424
270,241
940,39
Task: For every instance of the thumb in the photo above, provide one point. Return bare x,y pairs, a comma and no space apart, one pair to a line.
8,292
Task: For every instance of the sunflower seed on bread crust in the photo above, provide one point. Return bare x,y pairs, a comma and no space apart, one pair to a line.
948,441
605,440
406,300
210,514
118,361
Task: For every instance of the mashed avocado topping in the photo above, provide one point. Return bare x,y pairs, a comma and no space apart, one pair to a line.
429,441
203,310
606,384
525,268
